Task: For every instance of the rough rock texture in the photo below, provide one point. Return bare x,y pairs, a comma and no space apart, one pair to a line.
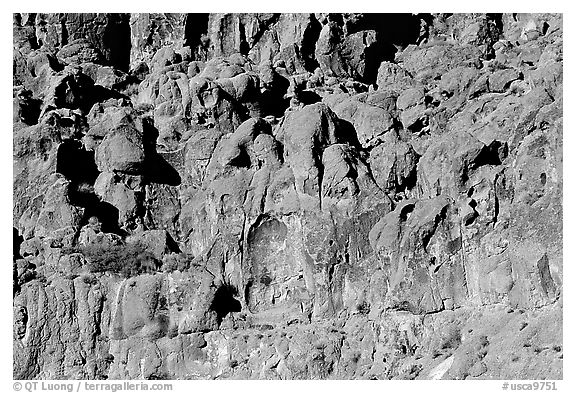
287,196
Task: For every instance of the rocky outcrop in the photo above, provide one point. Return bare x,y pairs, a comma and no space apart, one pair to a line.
287,196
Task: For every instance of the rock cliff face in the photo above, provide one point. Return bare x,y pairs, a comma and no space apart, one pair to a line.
287,196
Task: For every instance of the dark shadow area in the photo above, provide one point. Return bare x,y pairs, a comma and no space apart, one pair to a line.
156,168
79,92
418,126
224,301
266,229
309,97
247,291
272,101
238,108
195,34
28,107
17,240
244,47
64,30
405,212
242,160
397,29
492,154
470,218
545,27
54,63
490,32
497,19
78,166
309,39
393,32
101,93
117,40
74,92
26,27
75,163
410,181
346,133
265,24
107,214
172,245
375,55
17,19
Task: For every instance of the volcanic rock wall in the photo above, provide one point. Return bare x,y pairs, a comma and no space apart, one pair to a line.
287,196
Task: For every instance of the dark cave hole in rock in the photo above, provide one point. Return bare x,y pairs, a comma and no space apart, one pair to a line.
28,107
117,39
195,34
106,213
394,32
272,99
405,212
73,93
419,126
225,302
17,240
430,101
75,163
543,179
272,102
470,218
492,154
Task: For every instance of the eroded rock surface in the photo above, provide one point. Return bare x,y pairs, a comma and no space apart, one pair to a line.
287,196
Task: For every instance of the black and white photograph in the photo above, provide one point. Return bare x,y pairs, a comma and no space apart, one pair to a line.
287,196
